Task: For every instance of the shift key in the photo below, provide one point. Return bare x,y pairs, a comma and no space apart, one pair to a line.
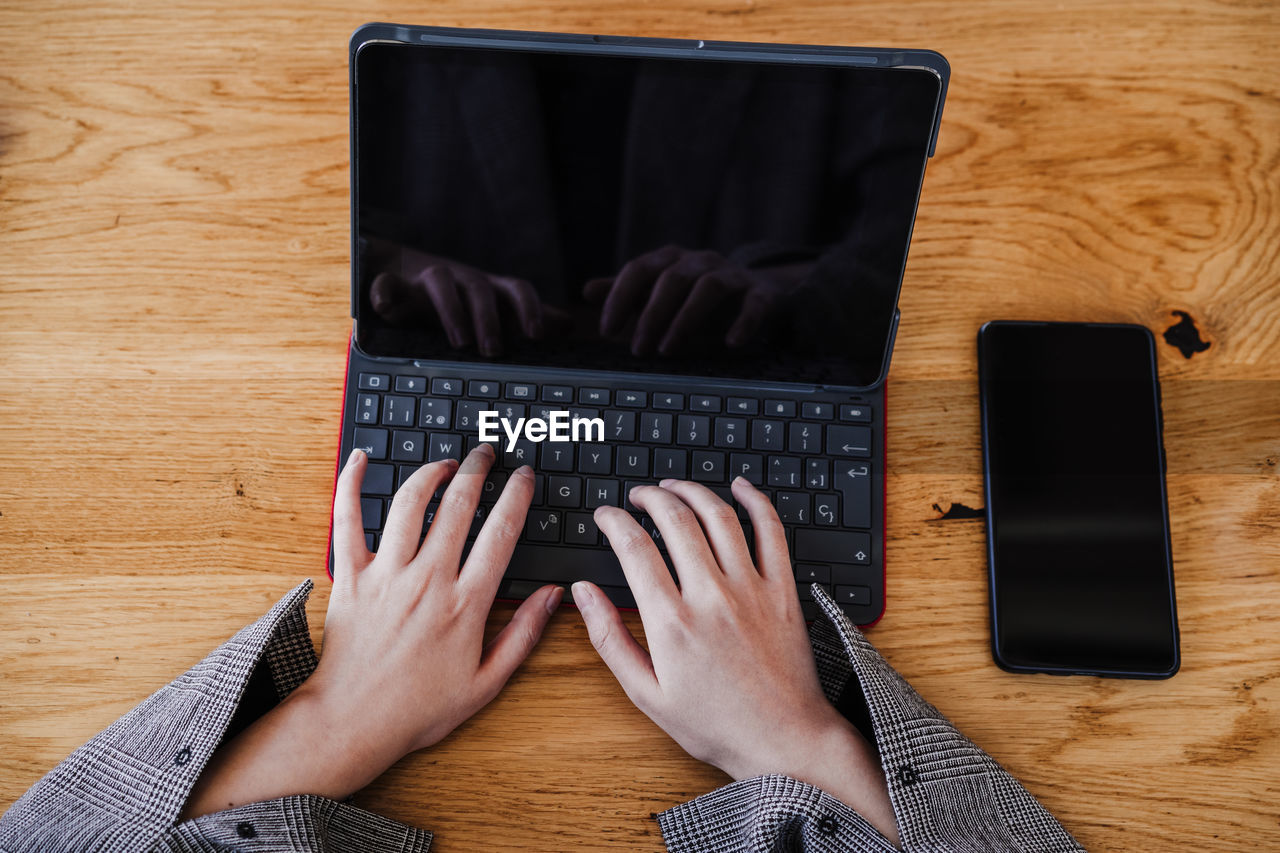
833,546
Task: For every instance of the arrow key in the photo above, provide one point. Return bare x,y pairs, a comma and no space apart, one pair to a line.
848,440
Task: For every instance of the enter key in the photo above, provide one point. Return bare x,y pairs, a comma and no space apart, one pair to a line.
853,481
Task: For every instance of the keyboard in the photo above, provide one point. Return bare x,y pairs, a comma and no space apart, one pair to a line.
814,458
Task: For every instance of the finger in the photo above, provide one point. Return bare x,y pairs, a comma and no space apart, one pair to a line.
595,290
349,551
443,291
524,299
403,531
630,286
448,533
755,308
516,639
720,521
708,292
773,560
626,658
484,312
695,565
643,566
669,293
497,540
396,301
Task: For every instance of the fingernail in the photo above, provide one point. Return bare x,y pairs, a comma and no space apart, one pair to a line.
355,454
525,470
583,596
667,482
553,600
485,447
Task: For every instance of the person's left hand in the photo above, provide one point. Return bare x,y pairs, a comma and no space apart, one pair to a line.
404,660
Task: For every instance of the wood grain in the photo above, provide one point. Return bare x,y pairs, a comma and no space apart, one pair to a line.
173,317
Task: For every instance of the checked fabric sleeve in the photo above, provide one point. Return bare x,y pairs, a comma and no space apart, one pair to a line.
125,788
947,794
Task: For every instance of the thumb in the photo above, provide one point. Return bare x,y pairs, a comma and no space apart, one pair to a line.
626,659
517,638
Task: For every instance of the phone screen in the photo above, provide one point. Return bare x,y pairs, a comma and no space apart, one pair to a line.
1077,521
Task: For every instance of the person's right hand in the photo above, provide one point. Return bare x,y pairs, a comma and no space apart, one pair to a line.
729,673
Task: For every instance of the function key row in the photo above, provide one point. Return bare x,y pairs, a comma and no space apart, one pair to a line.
662,401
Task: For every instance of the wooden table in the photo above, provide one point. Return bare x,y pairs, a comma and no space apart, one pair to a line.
173,318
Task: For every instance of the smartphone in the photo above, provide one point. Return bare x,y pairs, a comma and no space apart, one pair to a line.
1081,574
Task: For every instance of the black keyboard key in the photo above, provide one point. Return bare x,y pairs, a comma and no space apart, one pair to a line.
694,430
747,465
406,446
856,414
486,389
620,595
557,456
630,399
411,384
539,486
557,394
467,417
655,427
817,474
595,459
708,466
521,453
668,402
444,445
853,481
564,492
493,486
371,541
601,492
434,413
619,426
373,381
646,524
731,433
742,406
511,411
807,573
367,409
817,411
848,441
804,438
404,472
593,396
521,391
670,463
397,411
767,435
853,595
371,510
832,546
780,408
793,507
372,441
784,472
580,529
543,525
627,486
446,387
378,480
826,510
546,564
704,403
633,462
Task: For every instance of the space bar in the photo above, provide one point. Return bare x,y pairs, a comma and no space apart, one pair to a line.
565,565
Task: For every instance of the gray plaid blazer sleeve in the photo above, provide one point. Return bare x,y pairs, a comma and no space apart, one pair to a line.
125,788
947,794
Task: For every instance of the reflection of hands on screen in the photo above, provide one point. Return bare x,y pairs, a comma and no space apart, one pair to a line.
468,302
678,293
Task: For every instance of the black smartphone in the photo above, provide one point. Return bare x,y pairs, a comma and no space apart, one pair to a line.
1077,517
